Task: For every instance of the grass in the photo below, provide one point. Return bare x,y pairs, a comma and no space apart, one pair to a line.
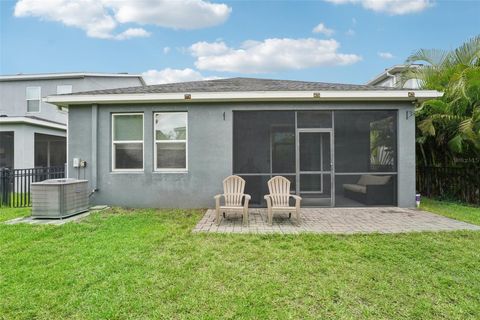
144,264
453,210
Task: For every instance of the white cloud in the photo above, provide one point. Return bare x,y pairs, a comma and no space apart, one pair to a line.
132,33
270,55
169,75
100,18
166,50
321,28
386,55
393,7
178,14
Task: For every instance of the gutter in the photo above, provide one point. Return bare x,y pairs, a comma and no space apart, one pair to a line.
251,96
35,122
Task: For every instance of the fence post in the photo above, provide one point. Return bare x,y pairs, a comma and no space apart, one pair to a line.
5,187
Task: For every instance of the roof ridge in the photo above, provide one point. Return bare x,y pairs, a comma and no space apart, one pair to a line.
238,84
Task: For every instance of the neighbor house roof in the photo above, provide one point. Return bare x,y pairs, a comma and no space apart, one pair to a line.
33,121
241,89
67,75
389,72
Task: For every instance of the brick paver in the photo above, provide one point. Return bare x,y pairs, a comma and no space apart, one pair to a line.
336,220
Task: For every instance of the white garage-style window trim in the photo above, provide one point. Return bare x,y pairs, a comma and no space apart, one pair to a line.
127,142
33,95
171,141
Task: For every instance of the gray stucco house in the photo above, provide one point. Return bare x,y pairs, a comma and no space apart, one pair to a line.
171,145
33,132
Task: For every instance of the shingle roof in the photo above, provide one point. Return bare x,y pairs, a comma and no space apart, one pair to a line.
238,85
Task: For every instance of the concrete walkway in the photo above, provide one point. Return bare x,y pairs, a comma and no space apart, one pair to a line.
336,220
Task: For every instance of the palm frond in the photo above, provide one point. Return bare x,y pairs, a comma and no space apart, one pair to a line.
436,105
434,57
426,127
456,144
468,53
466,126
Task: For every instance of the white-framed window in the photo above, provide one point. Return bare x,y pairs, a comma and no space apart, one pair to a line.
127,142
64,89
171,141
33,95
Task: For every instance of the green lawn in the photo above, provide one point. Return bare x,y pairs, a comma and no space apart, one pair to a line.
144,264
453,210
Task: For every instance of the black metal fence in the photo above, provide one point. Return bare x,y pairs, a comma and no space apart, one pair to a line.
15,184
452,183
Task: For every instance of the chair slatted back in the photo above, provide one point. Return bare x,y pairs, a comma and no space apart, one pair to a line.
279,188
233,189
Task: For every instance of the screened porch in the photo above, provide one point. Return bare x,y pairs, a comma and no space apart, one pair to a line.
340,158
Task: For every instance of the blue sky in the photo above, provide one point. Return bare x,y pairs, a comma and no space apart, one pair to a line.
196,39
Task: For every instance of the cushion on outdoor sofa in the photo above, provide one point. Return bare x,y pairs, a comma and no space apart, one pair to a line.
368,179
355,188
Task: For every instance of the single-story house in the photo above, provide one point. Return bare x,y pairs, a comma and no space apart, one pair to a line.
171,145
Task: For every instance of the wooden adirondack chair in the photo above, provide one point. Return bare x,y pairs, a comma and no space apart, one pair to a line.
233,188
278,199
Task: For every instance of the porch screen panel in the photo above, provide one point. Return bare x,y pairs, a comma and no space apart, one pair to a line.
263,146
314,119
365,157
6,149
49,150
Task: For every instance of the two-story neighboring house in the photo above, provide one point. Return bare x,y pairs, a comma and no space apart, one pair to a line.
33,132
390,77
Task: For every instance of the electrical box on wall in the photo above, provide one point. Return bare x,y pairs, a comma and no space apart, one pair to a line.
76,162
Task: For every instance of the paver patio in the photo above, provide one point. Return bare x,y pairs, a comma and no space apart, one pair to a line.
336,220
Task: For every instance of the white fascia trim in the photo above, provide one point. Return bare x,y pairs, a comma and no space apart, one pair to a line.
72,75
35,122
377,95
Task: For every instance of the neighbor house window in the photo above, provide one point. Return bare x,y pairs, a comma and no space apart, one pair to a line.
171,141
127,142
33,95
64,89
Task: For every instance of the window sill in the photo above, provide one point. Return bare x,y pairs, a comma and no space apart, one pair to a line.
128,172
170,171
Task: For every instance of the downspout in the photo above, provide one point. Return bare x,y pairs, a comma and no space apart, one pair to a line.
391,76
93,162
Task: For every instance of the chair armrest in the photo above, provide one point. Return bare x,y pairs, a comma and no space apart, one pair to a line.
247,199
267,198
217,200
298,198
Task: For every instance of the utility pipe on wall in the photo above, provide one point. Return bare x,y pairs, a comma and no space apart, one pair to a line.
93,165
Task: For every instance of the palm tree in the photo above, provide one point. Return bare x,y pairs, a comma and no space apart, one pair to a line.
448,127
